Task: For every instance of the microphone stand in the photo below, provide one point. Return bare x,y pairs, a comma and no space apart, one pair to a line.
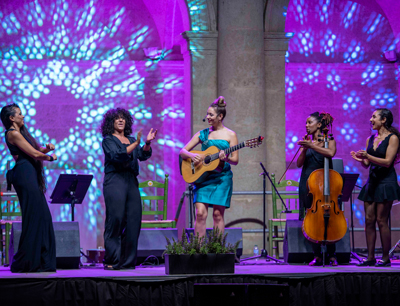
286,211
264,253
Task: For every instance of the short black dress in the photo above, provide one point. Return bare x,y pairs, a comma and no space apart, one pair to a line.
382,182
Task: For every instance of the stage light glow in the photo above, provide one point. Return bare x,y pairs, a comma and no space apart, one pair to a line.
67,65
336,54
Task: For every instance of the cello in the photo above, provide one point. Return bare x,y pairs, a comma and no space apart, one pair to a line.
324,222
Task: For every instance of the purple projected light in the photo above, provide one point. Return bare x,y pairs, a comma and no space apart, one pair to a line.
69,62
335,64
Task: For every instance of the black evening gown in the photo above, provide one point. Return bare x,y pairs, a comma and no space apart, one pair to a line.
37,246
382,182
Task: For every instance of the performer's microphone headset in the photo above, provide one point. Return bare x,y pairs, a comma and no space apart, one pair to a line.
204,119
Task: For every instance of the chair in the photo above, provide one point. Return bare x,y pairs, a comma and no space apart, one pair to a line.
151,205
8,211
277,220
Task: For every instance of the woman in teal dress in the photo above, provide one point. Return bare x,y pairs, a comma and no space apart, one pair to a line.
216,189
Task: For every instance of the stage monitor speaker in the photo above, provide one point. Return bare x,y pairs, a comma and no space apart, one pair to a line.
67,243
297,249
236,294
234,234
153,242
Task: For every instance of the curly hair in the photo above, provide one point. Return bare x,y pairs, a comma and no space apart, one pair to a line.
11,110
385,113
324,118
219,105
107,126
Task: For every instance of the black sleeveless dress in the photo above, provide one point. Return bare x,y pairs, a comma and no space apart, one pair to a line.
37,246
382,182
313,161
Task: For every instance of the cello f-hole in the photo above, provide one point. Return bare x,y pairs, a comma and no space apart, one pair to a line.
334,208
316,207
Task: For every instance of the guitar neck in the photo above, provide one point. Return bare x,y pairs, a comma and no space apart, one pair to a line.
229,150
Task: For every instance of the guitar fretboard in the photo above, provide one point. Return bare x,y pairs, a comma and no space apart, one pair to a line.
228,151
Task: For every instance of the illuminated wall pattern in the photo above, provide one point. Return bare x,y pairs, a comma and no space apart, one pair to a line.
69,62
198,15
335,64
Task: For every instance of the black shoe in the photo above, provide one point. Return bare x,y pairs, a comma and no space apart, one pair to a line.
383,263
367,263
333,262
316,262
111,267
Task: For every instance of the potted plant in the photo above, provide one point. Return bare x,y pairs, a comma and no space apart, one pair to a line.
206,255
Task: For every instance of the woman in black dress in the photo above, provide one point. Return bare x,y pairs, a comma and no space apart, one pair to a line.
311,158
120,188
381,188
37,247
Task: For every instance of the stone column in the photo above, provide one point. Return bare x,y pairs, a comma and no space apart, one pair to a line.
241,81
173,125
199,50
200,54
275,46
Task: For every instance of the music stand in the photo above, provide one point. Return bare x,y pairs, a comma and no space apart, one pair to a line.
71,189
349,181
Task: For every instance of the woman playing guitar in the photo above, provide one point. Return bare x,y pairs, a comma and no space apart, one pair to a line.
312,158
216,190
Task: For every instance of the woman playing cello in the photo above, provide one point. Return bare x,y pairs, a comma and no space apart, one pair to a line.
311,158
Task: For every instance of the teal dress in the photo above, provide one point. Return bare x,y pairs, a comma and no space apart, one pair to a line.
217,188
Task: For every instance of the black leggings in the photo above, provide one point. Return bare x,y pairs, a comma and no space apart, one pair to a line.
123,219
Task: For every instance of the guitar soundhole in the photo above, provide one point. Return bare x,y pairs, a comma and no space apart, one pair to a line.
207,160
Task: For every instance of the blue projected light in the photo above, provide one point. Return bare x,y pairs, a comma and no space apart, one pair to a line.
384,98
66,65
198,14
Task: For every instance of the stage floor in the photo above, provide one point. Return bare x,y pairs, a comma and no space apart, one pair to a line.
251,267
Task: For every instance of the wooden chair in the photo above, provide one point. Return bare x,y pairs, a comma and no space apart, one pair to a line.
151,205
9,211
278,219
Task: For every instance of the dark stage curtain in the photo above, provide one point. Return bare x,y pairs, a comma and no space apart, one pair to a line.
353,289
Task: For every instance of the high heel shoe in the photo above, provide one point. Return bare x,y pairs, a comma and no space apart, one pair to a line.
111,267
316,262
367,263
383,263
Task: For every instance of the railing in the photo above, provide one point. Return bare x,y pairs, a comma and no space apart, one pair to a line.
8,195
260,230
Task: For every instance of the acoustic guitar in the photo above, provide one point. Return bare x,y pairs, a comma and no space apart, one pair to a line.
197,173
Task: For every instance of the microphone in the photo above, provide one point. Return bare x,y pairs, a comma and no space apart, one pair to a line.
204,119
